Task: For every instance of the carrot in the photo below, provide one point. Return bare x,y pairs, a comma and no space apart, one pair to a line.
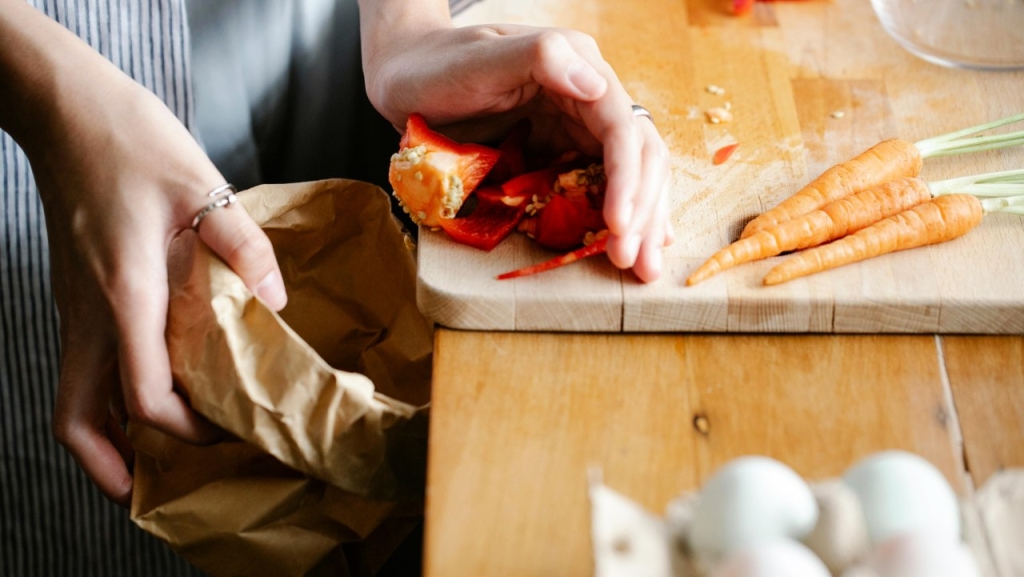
885,161
834,220
934,221
599,246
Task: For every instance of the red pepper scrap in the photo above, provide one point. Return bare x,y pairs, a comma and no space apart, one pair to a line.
741,7
599,247
723,154
494,218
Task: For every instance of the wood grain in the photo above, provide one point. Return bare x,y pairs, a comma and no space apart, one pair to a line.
518,418
786,68
986,375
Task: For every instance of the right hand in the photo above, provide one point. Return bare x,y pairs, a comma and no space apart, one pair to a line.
120,177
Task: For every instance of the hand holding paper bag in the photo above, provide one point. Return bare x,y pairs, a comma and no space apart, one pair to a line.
334,387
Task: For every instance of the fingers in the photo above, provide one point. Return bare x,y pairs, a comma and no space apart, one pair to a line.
560,68
560,61
145,372
231,233
660,235
636,164
80,421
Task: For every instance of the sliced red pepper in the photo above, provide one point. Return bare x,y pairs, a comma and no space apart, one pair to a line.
512,162
494,218
723,154
432,174
539,182
599,246
561,224
741,7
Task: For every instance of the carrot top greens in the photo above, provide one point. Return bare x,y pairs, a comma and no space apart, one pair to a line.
964,141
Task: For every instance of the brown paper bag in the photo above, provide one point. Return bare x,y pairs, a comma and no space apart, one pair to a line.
328,400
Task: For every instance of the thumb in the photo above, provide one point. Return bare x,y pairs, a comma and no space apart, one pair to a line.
231,233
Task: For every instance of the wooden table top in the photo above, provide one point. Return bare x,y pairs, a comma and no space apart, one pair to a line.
518,418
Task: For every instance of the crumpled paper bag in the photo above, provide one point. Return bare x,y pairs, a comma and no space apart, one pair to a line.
327,400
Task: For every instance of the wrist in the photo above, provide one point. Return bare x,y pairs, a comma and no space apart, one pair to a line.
389,29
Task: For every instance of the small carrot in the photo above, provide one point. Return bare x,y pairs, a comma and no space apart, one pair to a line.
885,161
834,220
599,246
934,221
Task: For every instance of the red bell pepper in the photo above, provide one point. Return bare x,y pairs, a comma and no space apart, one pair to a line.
494,218
512,162
740,7
432,175
562,224
539,182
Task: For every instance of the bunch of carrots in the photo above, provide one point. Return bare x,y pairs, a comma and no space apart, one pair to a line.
875,204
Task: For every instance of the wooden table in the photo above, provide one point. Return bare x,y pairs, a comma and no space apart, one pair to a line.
518,418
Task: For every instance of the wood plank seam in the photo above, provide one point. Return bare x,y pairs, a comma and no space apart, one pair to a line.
960,454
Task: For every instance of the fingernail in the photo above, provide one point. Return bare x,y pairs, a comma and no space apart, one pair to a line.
271,290
586,79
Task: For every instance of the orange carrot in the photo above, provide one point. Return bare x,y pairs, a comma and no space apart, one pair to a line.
885,161
832,221
881,163
598,247
934,221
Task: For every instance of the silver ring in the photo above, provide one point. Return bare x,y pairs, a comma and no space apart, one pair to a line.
641,111
224,195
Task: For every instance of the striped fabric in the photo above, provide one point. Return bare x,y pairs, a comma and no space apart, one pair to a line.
53,521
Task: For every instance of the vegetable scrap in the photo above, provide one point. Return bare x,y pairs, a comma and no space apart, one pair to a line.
479,195
723,153
718,114
741,7
599,246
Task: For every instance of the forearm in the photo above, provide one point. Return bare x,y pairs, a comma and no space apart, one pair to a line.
384,24
42,67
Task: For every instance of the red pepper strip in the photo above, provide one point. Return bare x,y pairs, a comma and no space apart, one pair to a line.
723,154
490,222
598,247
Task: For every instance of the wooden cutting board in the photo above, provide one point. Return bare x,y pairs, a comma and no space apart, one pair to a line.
809,84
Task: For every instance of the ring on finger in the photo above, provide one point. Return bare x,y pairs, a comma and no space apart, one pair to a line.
641,111
223,196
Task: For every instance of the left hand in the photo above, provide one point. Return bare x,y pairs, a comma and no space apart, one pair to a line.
475,81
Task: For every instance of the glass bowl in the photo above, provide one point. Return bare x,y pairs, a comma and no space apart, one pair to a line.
977,34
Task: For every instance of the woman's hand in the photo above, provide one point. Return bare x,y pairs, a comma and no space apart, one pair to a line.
120,177
479,79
